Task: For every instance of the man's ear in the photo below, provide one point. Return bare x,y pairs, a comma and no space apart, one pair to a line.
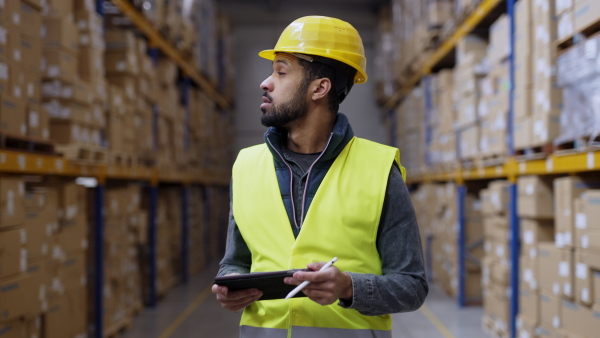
320,88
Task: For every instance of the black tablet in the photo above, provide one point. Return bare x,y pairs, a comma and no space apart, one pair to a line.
270,283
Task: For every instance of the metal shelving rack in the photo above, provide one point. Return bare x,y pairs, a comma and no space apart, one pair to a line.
510,170
16,162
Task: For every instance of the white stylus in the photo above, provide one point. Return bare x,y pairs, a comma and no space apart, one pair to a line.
305,283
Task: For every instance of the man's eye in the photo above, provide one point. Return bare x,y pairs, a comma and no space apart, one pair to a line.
281,73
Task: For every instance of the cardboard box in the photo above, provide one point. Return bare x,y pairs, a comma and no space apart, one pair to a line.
64,132
529,305
38,122
545,22
546,128
566,26
60,64
548,99
567,189
535,231
13,329
587,12
30,83
499,47
40,280
591,210
13,256
550,307
596,288
12,116
56,323
523,99
30,21
549,258
12,193
15,297
40,226
9,45
60,34
529,272
545,331
60,9
497,203
73,234
580,320
121,62
522,132
90,64
8,9
535,197
34,326
585,263
31,53
566,273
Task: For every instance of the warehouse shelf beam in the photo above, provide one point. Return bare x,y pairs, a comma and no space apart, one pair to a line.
16,162
552,165
157,40
464,28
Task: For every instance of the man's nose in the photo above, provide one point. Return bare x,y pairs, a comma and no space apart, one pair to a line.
267,85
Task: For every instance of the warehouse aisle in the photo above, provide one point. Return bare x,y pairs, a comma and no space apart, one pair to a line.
192,311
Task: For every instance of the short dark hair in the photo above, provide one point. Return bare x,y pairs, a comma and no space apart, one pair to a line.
331,69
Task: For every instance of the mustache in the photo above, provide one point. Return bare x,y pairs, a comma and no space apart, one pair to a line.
267,96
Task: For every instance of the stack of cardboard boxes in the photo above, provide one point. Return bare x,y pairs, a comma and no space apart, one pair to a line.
496,263
470,70
410,123
43,278
76,116
539,288
125,229
494,90
20,68
416,26
538,99
441,119
168,240
439,236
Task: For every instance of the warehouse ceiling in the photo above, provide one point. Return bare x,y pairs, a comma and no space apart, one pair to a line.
359,13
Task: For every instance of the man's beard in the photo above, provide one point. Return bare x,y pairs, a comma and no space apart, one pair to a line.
281,115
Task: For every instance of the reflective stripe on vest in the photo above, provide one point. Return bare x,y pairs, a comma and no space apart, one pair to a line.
311,332
342,221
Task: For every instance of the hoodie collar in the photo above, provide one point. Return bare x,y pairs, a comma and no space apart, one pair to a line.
342,133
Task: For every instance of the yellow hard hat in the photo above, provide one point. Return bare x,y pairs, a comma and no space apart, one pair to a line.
323,36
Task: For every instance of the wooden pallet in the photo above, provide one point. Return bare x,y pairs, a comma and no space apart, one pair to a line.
580,145
121,158
492,160
585,33
82,153
26,144
534,153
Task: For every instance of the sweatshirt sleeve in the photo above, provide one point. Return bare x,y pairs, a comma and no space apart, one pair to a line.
402,287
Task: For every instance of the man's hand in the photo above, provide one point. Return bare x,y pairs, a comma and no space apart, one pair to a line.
325,286
238,300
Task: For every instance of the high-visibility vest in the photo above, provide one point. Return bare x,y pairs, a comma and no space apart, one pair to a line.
342,222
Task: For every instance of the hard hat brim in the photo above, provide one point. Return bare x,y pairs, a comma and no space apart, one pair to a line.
360,77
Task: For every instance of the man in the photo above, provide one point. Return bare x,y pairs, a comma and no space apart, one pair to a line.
313,191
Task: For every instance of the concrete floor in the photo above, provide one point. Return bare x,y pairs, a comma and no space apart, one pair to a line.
192,311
